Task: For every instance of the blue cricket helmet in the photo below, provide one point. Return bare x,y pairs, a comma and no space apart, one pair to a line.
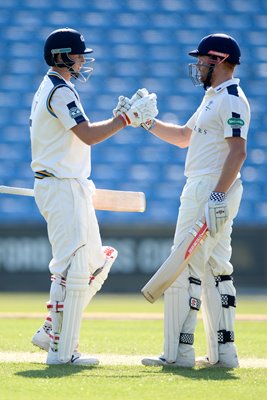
220,45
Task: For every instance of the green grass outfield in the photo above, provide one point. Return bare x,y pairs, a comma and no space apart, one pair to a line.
120,330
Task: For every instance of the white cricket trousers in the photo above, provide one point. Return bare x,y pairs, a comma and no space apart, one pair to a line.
217,251
182,298
66,205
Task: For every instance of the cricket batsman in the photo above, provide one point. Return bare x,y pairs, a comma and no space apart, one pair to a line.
61,140
215,136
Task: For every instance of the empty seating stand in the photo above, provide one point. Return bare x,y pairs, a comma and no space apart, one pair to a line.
137,43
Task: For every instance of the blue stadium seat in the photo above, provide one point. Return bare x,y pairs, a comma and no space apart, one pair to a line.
247,212
255,37
136,44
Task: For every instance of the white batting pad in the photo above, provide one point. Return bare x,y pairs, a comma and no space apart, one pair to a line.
211,312
76,286
186,351
218,316
100,275
226,288
227,351
176,309
55,308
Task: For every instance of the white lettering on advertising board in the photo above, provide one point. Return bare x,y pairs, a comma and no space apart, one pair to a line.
142,255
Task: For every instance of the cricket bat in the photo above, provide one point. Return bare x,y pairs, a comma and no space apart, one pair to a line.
178,260
175,264
103,199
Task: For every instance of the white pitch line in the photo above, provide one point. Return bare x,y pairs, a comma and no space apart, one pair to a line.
105,359
122,316
109,359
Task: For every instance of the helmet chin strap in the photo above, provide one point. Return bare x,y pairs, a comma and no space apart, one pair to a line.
207,82
85,71
68,63
73,73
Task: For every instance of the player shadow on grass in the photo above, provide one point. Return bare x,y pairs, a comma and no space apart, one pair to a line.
53,371
211,374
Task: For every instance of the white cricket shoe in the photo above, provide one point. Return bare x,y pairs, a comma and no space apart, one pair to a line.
76,359
41,339
204,362
162,362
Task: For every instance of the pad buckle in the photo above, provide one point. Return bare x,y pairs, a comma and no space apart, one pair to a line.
228,300
55,306
194,303
225,336
187,338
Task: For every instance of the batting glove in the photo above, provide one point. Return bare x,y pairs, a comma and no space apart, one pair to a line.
143,111
124,105
216,212
139,94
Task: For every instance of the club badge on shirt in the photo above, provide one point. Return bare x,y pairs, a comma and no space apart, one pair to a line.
75,112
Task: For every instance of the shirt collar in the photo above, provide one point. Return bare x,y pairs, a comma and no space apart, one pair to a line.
54,73
223,85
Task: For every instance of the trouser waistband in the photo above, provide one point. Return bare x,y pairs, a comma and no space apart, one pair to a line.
42,174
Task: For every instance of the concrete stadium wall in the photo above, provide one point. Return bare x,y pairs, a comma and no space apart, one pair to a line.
25,254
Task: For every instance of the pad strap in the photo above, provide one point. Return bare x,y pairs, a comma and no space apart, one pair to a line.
228,300
194,303
55,306
58,279
94,274
225,336
187,338
194,280
221,278
54,340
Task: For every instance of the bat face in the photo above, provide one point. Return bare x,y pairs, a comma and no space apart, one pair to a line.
116,200
179,258
175,263
198,237
103,199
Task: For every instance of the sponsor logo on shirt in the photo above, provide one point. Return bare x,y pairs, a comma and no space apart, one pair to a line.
235,122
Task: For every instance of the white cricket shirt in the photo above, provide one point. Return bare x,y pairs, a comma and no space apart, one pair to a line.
56,109
223,113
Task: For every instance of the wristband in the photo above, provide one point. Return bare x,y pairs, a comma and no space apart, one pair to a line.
127,119
217,196
149,125
123,119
